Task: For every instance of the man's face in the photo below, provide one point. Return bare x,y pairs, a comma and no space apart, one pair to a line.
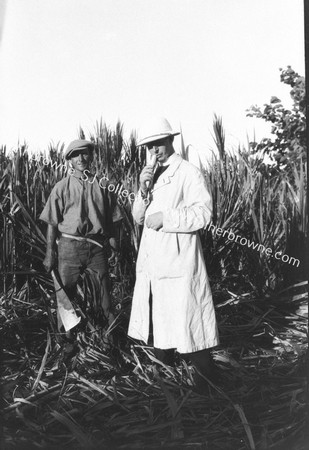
162,148
80,160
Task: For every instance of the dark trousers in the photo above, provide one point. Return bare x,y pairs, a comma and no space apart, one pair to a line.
74,257
201,360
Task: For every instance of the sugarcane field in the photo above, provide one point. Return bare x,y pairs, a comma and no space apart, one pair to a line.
112,391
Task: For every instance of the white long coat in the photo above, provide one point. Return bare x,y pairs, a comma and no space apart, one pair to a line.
171,262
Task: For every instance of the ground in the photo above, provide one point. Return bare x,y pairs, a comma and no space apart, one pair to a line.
120,397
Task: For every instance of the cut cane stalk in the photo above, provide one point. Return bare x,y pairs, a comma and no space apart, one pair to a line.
153,162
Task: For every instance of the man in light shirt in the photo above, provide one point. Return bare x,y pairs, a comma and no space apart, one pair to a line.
80,215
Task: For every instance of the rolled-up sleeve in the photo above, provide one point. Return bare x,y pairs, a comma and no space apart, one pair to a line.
196,211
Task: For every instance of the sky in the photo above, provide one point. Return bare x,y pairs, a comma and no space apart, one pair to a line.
65,64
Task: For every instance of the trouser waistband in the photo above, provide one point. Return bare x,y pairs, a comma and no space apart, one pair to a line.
81,238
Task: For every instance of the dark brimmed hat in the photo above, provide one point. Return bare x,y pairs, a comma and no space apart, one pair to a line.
155,129
78,144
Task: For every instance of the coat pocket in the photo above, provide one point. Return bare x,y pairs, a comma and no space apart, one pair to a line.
169,257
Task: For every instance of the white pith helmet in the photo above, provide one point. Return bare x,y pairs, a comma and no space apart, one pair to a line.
155,129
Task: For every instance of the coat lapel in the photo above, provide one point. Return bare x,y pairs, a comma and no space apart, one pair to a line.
166,177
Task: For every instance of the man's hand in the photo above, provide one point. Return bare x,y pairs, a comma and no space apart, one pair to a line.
114,258
50,261
146,177
115,255
155,221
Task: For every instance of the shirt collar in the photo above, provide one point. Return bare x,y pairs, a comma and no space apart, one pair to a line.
170,160
83,176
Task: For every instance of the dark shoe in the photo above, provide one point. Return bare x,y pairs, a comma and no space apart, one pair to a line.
167,356
69,350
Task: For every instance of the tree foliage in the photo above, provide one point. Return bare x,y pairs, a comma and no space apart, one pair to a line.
288,143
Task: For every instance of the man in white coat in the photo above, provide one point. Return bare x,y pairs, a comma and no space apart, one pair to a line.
172,307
